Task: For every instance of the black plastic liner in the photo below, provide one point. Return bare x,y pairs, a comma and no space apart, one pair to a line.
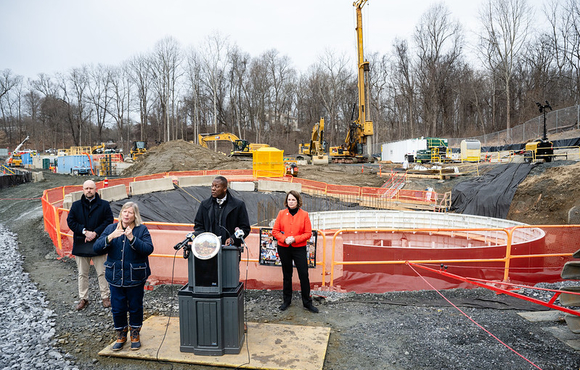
180,205
489,195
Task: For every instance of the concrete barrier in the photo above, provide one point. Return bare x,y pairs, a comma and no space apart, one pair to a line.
242,186
113,193
70,198
150,186
266,185
574,215
204,180
37,176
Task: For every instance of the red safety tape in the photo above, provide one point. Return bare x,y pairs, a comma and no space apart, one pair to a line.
20,198
472,320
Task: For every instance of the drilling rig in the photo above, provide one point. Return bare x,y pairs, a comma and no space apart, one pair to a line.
360,130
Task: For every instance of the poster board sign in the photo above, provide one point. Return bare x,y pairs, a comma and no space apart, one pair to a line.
269,249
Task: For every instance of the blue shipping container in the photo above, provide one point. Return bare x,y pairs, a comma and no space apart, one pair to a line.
26,158
74,164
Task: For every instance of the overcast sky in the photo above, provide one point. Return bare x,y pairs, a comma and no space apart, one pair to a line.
49,36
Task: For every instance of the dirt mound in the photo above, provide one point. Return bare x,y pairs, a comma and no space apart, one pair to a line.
547,194
180,155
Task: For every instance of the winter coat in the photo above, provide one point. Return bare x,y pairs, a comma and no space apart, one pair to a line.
233,215
298,226
127,263
92,216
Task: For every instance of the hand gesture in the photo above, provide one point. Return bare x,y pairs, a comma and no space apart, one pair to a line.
129,233
117,233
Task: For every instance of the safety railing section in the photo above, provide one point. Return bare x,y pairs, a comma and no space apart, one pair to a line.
374,259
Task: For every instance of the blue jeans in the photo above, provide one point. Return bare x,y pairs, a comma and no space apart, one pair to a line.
127,299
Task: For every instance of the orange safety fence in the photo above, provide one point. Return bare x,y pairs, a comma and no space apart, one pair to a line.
116,157
374,260
167,235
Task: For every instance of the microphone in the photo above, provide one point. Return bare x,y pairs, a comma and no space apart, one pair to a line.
239,233
188,238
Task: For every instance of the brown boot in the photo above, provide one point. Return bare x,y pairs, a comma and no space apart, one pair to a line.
121,339
135,340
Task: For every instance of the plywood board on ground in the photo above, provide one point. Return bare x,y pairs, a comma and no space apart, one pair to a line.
267,346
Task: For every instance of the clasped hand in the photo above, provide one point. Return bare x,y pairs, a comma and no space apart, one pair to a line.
289,240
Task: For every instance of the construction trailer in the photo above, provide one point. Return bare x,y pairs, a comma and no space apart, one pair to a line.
470,150
401,151
423,149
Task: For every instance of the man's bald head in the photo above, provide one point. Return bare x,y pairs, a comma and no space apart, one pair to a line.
89,189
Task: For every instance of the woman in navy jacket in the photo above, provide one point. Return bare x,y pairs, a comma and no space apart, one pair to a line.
127,244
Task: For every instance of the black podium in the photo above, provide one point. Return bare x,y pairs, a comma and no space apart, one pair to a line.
211,305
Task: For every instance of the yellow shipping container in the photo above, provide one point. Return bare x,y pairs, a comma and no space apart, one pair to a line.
268,162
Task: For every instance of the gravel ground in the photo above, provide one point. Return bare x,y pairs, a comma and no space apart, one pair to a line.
411,330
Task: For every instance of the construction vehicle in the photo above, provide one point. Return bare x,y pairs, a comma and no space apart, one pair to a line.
316,149
15,159
541,148
437,151
352,150
291,166
139,148
242,148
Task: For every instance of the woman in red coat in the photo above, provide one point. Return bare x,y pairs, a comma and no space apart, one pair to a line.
292,230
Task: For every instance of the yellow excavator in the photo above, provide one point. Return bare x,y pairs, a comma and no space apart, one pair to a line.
241,148
352,150
316,149
138,149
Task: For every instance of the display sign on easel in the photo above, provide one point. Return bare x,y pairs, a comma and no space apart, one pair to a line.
269,249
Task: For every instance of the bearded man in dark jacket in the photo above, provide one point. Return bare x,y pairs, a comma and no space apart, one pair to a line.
221,214
88,217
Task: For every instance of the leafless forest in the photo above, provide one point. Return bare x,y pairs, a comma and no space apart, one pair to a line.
424,86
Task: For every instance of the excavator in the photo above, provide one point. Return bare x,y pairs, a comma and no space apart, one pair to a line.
15,159
316,149
352,150
241,148
139,148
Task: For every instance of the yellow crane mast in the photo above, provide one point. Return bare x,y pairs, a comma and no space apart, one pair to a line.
360,129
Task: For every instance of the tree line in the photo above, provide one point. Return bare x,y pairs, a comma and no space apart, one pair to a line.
424,86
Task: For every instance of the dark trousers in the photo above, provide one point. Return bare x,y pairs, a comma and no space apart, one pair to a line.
127,299
298,255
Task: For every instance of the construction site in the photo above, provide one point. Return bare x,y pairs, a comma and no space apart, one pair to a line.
426,253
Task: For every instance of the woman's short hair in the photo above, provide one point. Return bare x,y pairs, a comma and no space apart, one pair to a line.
296,195
138,220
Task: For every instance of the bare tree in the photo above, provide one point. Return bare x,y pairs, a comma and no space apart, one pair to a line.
335,76
564,18
100,95
119,104
139,68
213,61
440,42
165,68
506,27
238,62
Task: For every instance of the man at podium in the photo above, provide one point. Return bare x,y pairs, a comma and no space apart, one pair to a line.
221,214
